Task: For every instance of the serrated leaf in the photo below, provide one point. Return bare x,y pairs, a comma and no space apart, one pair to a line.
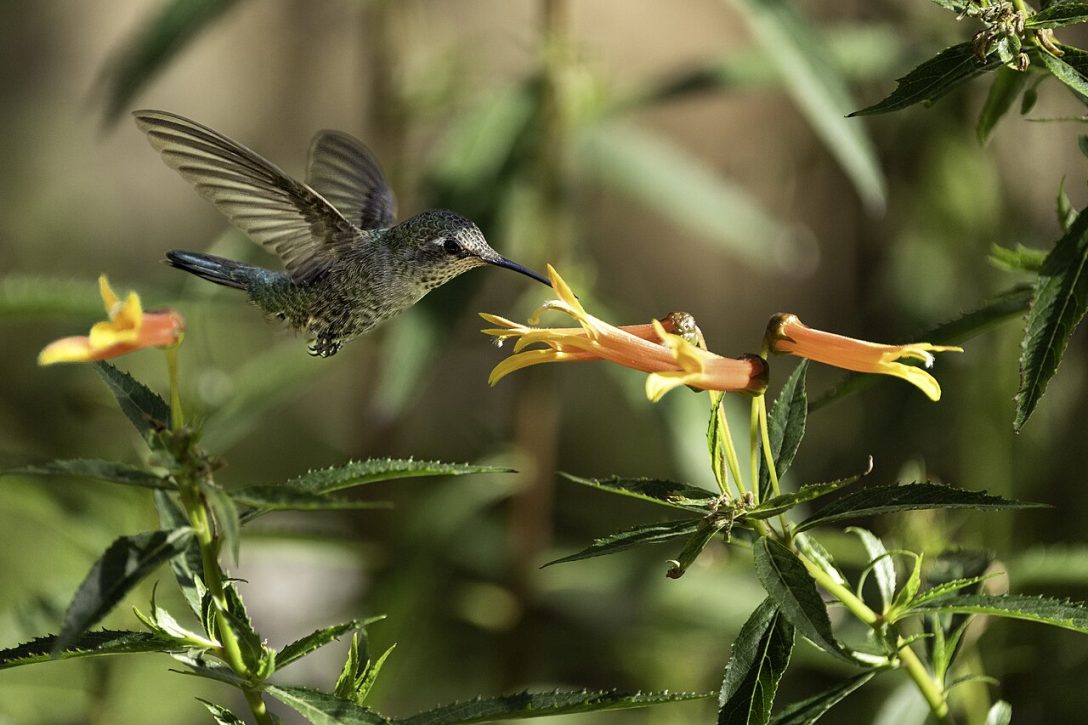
315,640
655,490
818,88
911,586
543,704
644,534
370,676
1006,305
190,565
222,715
786,427
88,644
1071,69
709,528
147,411
875,500
809,710
359,473
209,670
1006,86
1000,713
109,471
1045,610
124,564
283,498
1061,300
1059,14
810,548
882,565
226,517
322,708
934,78
156,43
809,492
794,590
354,665
760,656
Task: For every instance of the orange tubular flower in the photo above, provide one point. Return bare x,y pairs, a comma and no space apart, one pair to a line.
129,328
671,359
786,334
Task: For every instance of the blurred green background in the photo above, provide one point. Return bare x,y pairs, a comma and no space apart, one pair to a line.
686,155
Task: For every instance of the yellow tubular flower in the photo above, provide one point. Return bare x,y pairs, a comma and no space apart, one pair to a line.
653,348
787,334
129,328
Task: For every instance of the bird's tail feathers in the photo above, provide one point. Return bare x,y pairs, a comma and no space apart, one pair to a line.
220,270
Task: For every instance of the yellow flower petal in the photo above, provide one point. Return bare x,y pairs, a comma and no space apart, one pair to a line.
657,384
109,298
67,349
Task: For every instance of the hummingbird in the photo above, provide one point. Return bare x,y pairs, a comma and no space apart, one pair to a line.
347,264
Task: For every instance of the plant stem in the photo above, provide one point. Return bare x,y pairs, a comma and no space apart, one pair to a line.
753,450
930,689
765,433
177,417
727,442
259,709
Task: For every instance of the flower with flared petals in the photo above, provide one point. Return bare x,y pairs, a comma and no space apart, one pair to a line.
671,359
129,328
787,334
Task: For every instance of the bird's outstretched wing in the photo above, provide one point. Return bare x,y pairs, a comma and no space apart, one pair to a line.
285,216
345,172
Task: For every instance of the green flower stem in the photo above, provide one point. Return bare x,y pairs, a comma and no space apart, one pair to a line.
765,433
753,448
177,416
259,709
930,689
727,442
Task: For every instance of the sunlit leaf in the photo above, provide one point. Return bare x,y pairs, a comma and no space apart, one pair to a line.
109,471
656,490
1045,610
934,78
323,708
1061,300
284,498
359,473
883,566
893,498
1058,14
147,411
645,534
88,644
786,426
1071,69
315,640
222,715
761,652
820,91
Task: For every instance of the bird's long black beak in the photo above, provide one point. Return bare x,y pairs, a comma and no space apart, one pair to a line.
510,264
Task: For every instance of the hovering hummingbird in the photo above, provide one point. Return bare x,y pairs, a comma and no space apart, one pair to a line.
348,265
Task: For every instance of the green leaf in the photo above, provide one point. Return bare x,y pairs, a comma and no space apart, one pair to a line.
934,78
354,668
882,565
793,589
1071,69
1000,714
655,490
1059,14
809,492
760,655
266,498
322,708
543,704
1065,211
709,528
818,88
222,715
645,534
911,586
359,473
226,517
1055,612
809,710
1061,299
786,427
315,640
147,411
109,471
686,191
1007,305
810,548
1007,85
88,644
124,564
156,43
190,565
370,675
893,498
1020,259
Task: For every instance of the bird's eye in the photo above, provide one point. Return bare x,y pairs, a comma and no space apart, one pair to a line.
451,246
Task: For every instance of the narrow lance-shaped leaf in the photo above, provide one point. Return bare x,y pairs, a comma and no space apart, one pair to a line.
907,497
793,589
88,644
222,715
709,528
124,564
156,43
1059,14
646,534
883,567
323,708
818,88
226,517
1061,300
1071,69
1006,86
655,490
809,492
282,498
811,709
759,657
1045,610
109,471
543,704
358,473
147,411
786,427
315,640
934,78
190,565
